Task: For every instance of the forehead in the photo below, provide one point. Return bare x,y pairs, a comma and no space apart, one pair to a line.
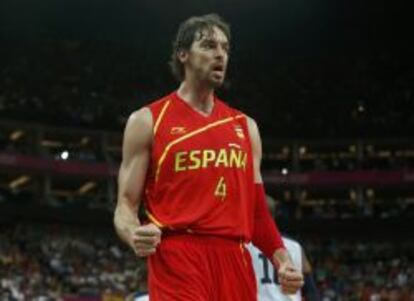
213,33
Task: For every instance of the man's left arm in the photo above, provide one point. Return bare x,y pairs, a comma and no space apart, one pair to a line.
266,235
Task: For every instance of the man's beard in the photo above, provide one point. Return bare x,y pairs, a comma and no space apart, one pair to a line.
216,84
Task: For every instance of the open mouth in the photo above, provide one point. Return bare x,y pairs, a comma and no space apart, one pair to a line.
219,68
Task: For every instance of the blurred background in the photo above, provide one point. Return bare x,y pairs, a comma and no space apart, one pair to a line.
330,84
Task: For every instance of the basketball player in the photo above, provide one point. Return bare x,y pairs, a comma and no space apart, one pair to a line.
195,163
267,281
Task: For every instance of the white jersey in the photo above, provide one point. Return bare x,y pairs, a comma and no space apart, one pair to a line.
268,288
142,298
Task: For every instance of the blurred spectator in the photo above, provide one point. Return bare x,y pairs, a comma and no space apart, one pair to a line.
97,84
39,262
46,262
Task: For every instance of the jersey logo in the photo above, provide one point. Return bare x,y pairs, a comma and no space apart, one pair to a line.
239,131
177,130
235,145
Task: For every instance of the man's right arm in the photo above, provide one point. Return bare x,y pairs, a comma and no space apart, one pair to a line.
136,152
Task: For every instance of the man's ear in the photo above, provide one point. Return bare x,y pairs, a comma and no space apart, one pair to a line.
182,56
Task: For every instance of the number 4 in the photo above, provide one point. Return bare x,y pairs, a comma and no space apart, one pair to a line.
221,189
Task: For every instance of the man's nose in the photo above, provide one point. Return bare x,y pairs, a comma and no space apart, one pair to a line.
220,51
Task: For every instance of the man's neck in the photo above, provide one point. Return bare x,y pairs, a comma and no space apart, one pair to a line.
198,96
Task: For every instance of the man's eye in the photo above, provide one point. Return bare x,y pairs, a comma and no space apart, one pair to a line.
209,45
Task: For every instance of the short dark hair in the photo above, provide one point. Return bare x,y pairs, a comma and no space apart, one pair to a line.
186,34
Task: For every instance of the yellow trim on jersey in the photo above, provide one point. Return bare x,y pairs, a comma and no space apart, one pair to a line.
242,249
189,135
154,220
157,123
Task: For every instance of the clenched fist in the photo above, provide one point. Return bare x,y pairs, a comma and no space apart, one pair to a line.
144,239
290,278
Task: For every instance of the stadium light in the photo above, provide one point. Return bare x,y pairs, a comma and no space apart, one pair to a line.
64,155
86,187
16,135
51,143
19,182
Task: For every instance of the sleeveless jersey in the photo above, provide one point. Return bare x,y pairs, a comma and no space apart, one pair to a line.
200,178
268,288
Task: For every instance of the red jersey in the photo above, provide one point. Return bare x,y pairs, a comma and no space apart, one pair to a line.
200,177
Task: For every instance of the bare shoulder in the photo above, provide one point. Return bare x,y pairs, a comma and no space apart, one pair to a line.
256,144
253,128
140,120
138,130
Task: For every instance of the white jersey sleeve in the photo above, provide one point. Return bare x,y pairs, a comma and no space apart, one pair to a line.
268,288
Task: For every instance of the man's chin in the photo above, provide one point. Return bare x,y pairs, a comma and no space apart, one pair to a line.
216,83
